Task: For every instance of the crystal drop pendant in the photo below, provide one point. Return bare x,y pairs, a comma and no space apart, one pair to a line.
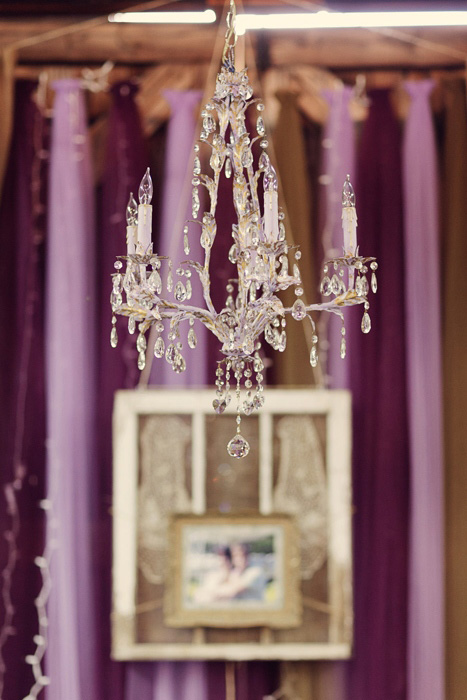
365,287
313,356
228,168
159,347
258,401
115,300
113,337
215,161
171,354
343,348
263,163
186,245
192,339
141,343
325,287
170,281
179,364
248,408
131,325
335,285
233,254
189,289
269,334
247,159
298,310
154,282
180,292
196,166
358,286
238,447
366,323
260,126
374,283
258,364
141,360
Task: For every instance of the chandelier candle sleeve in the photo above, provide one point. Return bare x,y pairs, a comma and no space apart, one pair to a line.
263,263
271,206
349,218
145,213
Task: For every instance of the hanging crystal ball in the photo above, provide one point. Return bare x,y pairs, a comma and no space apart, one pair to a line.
238,447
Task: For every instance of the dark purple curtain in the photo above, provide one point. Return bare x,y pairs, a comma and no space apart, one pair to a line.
126,161
380,436
22,426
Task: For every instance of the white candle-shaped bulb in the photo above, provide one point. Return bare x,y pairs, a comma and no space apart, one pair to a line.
131,225
145,213
131,211
349,218
270,179
271,205
145,191
348,194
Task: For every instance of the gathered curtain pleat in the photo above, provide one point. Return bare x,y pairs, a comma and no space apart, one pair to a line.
175,211
70,400
423,336
380,432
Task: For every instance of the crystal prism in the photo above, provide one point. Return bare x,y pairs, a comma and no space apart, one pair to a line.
374,283
366,323
298,310
325,287
113,337
238,447
313,356
192,339
159,347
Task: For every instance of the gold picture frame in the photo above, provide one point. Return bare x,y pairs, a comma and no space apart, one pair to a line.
233,571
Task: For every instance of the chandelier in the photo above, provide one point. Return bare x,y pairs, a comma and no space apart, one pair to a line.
266,263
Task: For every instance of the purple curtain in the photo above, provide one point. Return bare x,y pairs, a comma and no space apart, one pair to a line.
426,562
22,428
70,400
169,680
338,160
380,439
126,161
175,210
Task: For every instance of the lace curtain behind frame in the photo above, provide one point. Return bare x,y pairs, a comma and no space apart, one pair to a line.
162,491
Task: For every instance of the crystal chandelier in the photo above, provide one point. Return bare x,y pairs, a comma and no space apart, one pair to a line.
259,251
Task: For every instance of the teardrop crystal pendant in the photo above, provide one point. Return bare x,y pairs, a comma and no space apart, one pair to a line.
238,447
260,126
343,348
366,323
113,337
325,287
131,325
313,356
141,360
228,168
374,283
298,310
159,347
192,339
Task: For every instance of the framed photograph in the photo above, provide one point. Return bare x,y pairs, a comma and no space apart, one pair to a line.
233,571
185,515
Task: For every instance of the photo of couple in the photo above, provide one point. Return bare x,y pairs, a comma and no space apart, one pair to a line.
229,569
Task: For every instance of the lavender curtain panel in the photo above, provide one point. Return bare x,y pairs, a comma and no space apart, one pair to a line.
70,386
380,433
22,428
176,209
170,680
426,560
338,160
